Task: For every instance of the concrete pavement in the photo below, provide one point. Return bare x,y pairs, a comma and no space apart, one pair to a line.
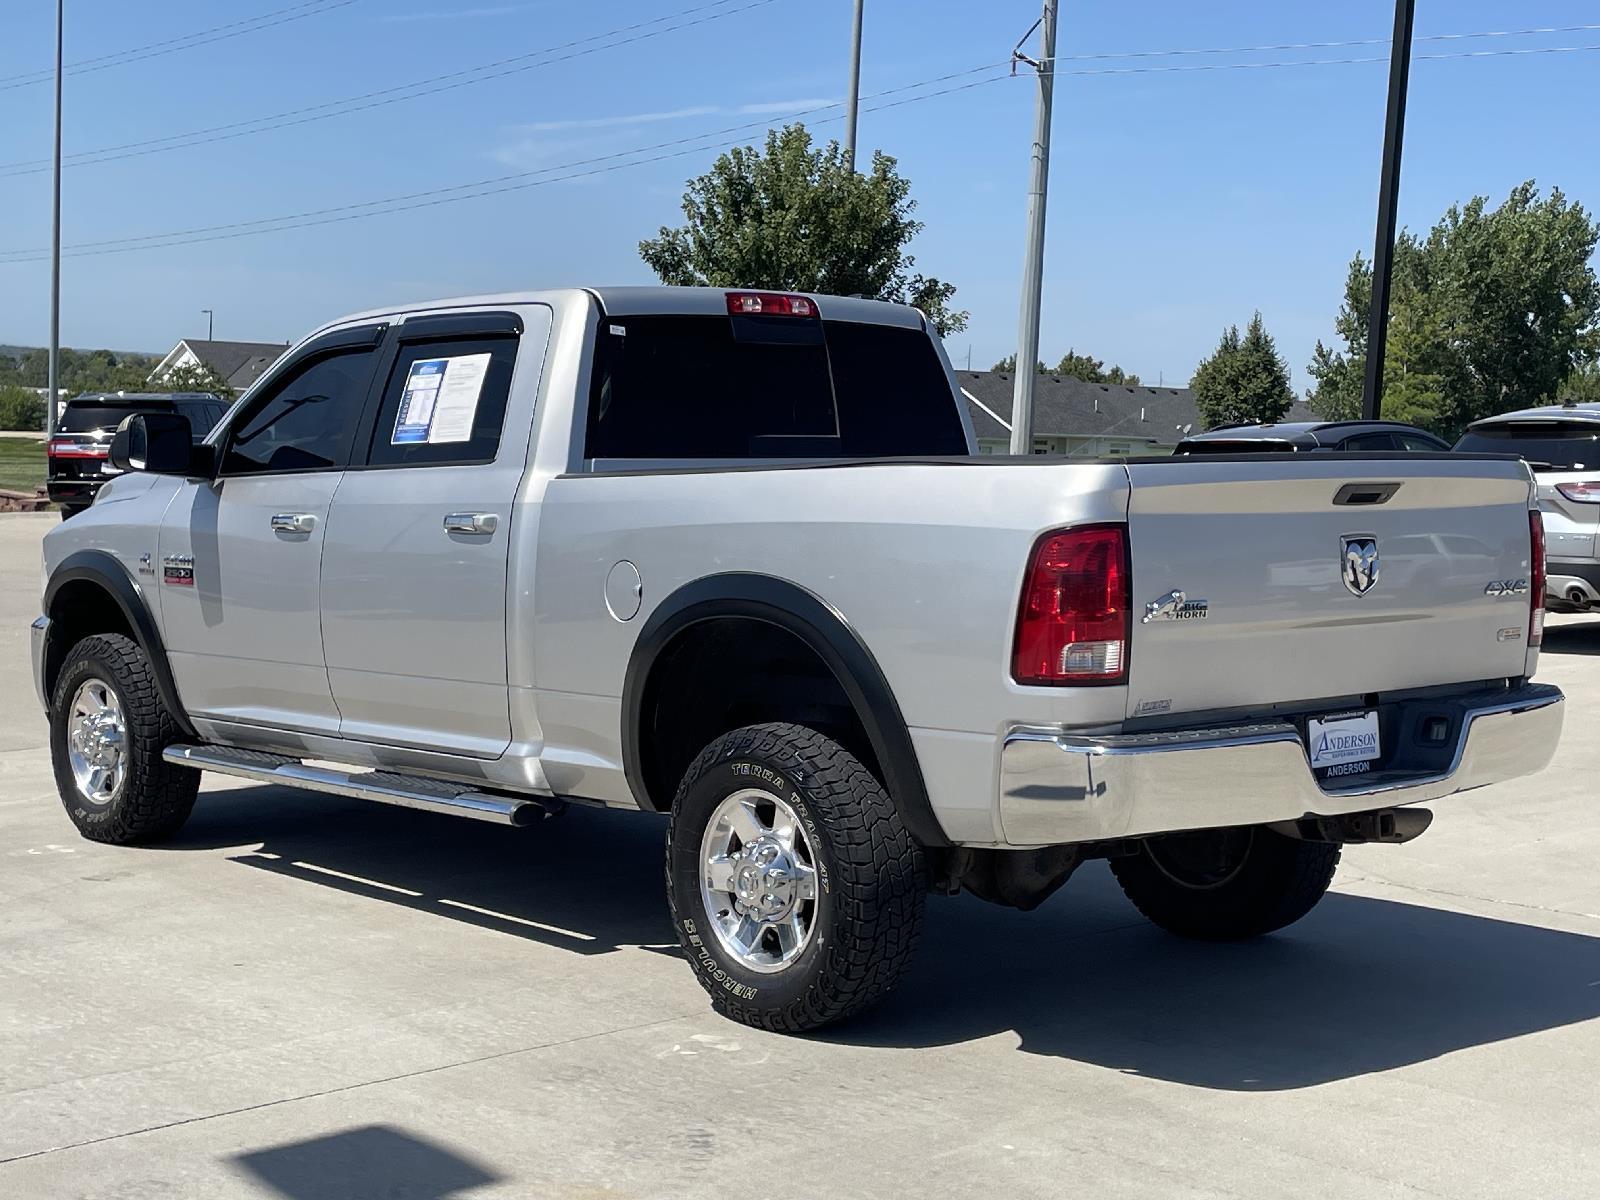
314,998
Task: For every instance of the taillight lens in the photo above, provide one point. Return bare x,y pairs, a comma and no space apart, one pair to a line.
1072,623
771,304
67,448
1581,491
1536,571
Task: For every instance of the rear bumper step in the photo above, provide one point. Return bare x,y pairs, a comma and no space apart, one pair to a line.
1060,787
386,787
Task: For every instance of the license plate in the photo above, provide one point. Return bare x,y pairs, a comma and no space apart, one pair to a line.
1337,742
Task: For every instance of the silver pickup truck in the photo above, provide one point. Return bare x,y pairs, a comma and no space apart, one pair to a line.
729,556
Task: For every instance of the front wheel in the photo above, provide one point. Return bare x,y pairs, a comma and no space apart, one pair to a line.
1226,884
108,728
796,890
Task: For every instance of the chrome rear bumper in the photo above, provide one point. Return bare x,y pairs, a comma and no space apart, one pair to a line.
1059,787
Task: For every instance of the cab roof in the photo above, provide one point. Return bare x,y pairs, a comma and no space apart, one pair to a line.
1545,414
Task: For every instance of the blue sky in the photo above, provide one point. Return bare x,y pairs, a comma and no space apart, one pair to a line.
1180,200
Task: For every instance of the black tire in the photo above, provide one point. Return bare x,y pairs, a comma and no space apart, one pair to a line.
871,879
154,797
1226,884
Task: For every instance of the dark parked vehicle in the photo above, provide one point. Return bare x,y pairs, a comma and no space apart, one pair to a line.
77,452
1365,436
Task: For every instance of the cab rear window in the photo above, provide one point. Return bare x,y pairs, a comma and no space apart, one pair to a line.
681,387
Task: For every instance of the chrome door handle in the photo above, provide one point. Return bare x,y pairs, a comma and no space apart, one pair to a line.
293,522
471,523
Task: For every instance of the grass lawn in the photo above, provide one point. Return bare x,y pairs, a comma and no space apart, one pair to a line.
21,463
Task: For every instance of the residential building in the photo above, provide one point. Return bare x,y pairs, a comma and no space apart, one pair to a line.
240,363
1076,419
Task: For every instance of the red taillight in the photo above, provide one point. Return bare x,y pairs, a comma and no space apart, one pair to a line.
1536,571
71,449
1581,491
771,304
1072,624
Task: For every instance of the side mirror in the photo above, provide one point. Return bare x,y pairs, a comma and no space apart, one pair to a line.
160,443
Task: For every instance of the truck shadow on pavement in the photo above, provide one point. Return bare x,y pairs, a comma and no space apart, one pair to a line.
588,881
1361,985
1572,639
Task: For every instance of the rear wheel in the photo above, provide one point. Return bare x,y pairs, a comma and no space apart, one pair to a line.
108,728
796,890
1226,884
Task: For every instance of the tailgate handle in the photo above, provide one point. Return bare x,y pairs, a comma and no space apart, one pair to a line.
1365,493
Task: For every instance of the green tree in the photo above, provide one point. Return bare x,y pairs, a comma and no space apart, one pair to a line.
1494,309
195,377
1008,364
21,408
1244,380
1075,366
1582,386
798,218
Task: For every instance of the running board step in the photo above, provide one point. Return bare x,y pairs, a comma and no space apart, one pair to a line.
386,787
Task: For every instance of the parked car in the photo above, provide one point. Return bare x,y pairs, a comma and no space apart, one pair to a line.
729,556
77,451
1367,436
1561,442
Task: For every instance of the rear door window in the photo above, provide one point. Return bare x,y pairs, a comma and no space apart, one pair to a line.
1565,448
444,403
683,387
1417,443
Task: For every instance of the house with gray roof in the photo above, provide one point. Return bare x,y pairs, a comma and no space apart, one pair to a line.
1078,419
240,363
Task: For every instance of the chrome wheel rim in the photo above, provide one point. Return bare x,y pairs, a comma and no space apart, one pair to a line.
97,741
758,880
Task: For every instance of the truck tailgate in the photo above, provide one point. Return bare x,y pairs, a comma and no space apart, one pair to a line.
1283,599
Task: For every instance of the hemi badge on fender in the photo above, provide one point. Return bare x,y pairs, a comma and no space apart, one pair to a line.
1512,634
178,570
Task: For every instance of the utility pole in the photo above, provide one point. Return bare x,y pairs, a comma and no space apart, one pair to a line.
1394,128
55,247
1033,255
210,316
854,98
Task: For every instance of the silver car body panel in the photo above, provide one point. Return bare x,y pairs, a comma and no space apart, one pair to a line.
924,562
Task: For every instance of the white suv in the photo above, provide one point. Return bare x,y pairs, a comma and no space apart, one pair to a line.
1561,443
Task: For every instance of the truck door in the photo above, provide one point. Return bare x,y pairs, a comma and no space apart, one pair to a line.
239,555
415,565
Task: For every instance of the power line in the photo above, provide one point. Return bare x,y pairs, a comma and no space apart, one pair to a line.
497,70
1280,46
432,85
1327,62
477,189
204,37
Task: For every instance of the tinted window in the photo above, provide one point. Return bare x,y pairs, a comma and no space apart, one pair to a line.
1417,442
306,422
86,418
473,379
201,415
1570,448
706,387
1369,441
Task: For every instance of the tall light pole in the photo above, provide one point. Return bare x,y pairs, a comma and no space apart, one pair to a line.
210,318
1394,129
1033,255
55,246
854,99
